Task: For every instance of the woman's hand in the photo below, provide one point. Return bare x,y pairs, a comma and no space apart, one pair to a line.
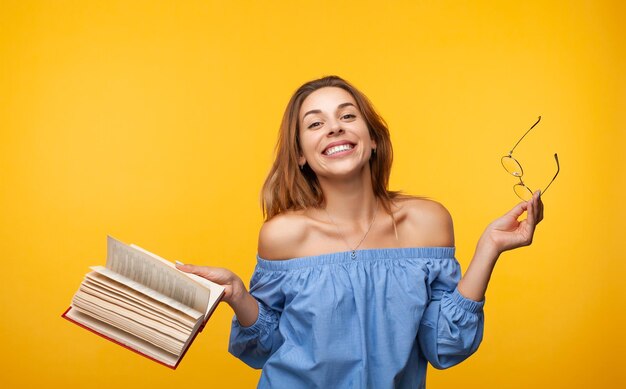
233,286
507,232
504,233
236,295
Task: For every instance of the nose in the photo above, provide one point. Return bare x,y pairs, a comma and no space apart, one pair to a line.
335,129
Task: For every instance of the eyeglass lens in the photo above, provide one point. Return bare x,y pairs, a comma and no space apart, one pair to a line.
514,168
523,192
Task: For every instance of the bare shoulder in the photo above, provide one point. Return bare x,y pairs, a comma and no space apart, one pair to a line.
280,236
424,222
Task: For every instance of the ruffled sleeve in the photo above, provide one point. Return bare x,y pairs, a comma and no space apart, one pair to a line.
452,326
256,343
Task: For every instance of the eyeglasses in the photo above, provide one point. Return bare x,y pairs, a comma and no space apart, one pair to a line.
513,167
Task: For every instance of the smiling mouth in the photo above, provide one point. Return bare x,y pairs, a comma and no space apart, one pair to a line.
338,149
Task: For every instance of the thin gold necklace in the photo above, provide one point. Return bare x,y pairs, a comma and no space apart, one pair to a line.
353,250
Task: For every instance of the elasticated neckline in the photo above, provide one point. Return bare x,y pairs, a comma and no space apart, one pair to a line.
361,255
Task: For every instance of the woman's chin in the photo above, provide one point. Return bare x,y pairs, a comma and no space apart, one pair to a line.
346,170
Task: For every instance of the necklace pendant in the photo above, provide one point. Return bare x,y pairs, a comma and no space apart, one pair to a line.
353,251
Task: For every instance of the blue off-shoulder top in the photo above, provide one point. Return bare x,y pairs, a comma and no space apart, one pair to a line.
331,321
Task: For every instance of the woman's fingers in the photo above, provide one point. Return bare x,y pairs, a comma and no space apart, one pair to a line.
202,271
534,215
518,209
537,209
533,207
216,274
540,207
229,280
531,215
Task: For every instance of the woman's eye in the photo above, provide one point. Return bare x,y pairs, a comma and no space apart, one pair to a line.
348,116
314,125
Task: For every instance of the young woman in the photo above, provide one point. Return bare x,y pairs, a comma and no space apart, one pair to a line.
355,286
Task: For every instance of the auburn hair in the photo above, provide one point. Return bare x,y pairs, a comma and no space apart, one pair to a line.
289,188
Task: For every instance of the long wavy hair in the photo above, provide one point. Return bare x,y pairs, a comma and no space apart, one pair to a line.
289,188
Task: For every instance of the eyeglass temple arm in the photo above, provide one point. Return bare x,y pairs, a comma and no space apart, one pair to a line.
520,139
558,169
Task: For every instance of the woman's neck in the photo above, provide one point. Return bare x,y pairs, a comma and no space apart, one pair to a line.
351,199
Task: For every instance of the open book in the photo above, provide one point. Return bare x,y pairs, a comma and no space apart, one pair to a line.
142,302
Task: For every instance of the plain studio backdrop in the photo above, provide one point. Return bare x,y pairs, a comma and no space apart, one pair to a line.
155,122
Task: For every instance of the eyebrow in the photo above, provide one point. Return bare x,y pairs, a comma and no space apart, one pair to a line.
342,105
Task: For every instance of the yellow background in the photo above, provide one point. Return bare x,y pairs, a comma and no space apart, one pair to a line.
155,121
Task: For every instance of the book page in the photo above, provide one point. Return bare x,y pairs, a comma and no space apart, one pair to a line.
149,271
216,290
160,322
147,291
122,292
123,337
128,321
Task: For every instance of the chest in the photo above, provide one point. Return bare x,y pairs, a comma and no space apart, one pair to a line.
386,232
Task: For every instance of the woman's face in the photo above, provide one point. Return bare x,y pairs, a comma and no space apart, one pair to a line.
334,137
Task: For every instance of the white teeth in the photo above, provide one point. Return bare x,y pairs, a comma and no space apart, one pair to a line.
337,149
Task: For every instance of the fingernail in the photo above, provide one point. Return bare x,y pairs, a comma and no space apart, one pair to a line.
180,263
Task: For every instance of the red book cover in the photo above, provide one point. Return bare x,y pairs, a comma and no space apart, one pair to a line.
174,366
143,303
